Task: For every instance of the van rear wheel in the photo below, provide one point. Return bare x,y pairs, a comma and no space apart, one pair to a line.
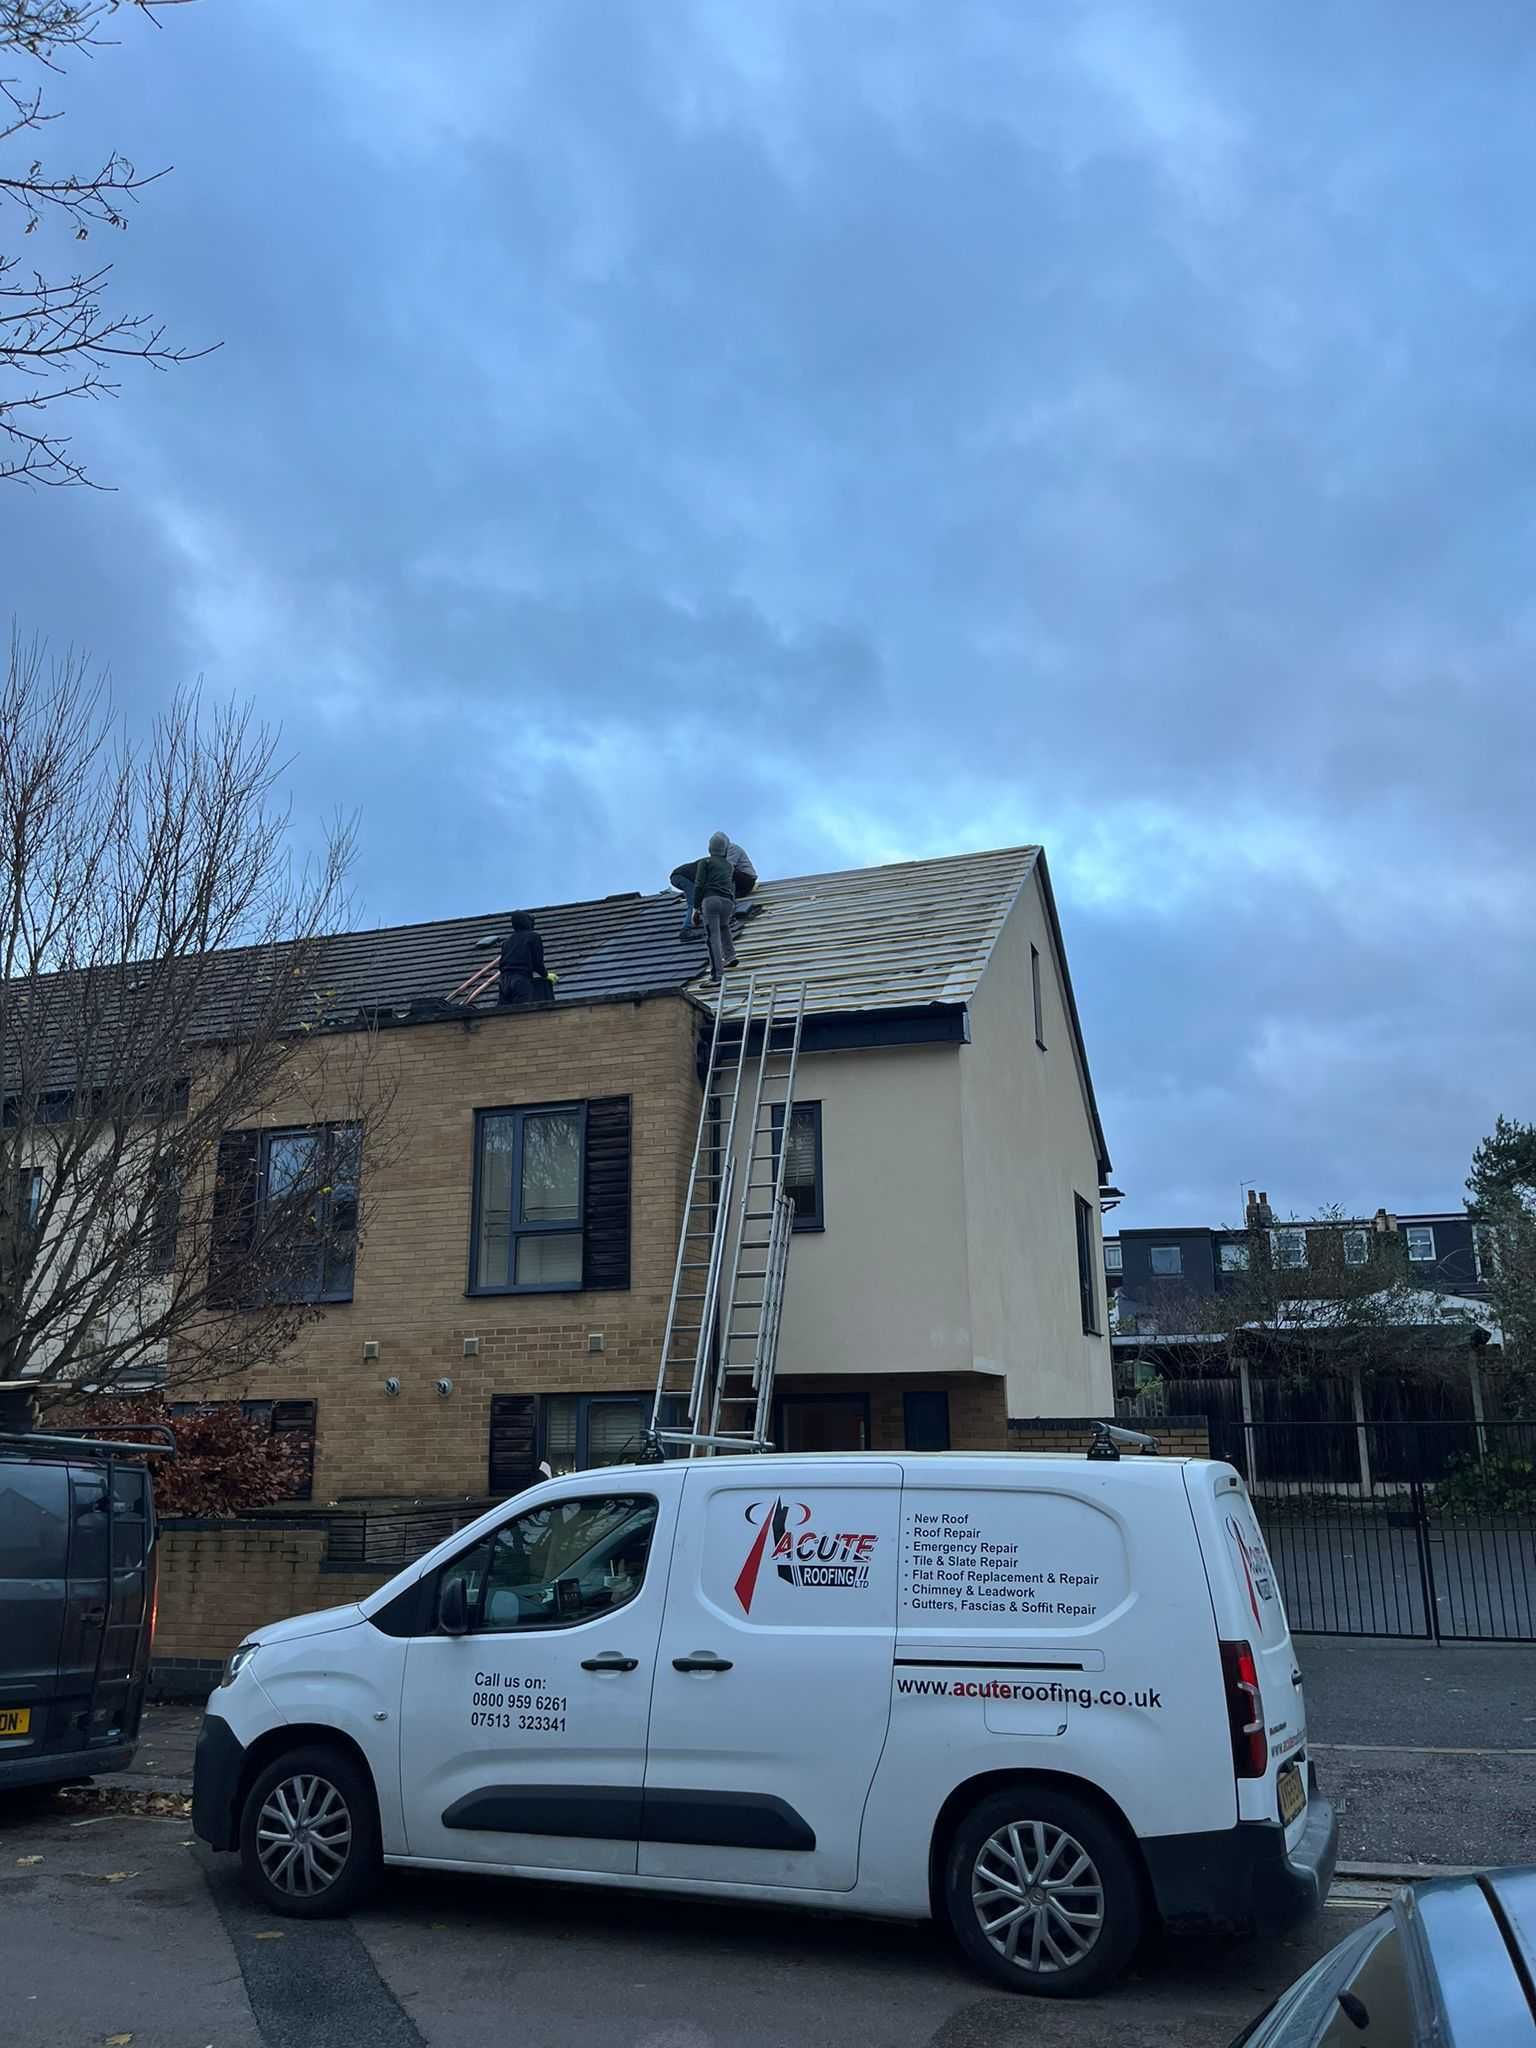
1042,1892
309,1834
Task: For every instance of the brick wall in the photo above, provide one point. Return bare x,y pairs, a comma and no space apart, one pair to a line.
1180,1436
220,1580
410,1288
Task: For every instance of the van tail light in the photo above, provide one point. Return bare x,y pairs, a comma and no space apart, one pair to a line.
154,1616
1245,1710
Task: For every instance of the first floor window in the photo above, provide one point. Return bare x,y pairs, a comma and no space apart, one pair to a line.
1234,1258
1421,1243
1357,1247
1087,1278
530,1164
1167,1261
802,1168
307,1210
26,1198
1288,1249
1113,1258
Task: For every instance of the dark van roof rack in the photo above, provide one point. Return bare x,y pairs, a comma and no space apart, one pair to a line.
96,1445
1107,1439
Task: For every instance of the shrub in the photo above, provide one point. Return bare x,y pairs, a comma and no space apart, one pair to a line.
1487,1486
225,1463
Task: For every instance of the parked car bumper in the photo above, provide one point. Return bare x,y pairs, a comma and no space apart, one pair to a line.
216,1769
64,1767
1244,1879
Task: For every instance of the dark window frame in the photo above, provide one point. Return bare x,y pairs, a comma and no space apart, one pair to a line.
815,1220
607,1397
1038,994
910,1398
1087,1274
329,1294
821,1398
29,1194
520,1112
1176,1271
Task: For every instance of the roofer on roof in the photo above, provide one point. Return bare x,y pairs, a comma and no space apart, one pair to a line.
524,976
743,874
714,895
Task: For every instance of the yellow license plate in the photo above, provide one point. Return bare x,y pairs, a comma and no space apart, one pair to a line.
1293,1793
15,1720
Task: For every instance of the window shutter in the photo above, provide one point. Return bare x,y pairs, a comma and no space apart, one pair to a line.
512,1443
605,1211
233,1235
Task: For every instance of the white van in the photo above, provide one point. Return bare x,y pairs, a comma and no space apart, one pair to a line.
1050,1700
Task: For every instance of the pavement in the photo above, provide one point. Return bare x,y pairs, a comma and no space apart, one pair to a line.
117,1924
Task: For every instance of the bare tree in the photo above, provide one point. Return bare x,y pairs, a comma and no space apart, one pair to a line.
162,1007
59,338
1501,1190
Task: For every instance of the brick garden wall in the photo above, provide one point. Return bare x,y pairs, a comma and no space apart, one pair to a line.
1181,1436
220,1580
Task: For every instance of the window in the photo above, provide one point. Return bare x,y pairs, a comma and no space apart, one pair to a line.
1112,1258
1288,1249
1234,1258
925,1421
1357,1247
1034,982
1421,1243
551,1198
1167,1261
557,1564
1087,1277
1485,1250
165,1217
823,1422
529,1199
582,1430
307,1210
802,1171
28,1198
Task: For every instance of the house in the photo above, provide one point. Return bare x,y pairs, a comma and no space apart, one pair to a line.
504,1300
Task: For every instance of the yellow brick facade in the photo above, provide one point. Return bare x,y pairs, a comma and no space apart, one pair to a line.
410,1293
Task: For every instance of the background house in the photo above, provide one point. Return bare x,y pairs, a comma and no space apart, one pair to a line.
507,1300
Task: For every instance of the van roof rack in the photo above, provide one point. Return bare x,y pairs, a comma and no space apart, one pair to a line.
96,1445
1107,1439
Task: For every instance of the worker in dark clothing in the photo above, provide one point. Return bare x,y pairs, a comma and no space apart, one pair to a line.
743,872
524,977
714,897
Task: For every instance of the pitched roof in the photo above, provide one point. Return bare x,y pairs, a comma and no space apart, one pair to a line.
897,937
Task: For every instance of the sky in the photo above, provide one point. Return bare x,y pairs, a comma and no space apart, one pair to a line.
883,430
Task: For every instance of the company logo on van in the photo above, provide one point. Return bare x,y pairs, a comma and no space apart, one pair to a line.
800,1554
1256,1571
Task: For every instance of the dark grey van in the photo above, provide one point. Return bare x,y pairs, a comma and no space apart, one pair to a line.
77,1603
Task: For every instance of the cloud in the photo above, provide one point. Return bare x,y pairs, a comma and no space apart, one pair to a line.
886,430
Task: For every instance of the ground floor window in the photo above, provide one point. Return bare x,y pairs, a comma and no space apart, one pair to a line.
823,1422
582,1430
925,1420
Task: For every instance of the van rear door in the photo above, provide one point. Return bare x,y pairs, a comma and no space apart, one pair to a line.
34,1570
1251,1621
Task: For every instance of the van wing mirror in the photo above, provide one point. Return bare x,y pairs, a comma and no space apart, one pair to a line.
453,1608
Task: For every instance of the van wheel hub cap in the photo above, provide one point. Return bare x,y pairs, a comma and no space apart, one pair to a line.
1038,1896
303,1835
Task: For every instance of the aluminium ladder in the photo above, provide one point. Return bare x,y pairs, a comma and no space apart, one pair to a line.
722,1327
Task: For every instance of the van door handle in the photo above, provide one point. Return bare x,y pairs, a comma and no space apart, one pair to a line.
94,1615
610,1660
701,1660
1296,1676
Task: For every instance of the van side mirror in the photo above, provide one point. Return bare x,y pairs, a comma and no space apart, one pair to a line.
453,1608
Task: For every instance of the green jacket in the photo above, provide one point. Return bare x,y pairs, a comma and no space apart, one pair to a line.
713,877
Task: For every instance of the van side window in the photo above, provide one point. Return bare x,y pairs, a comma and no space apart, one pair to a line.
559,1563
34,1520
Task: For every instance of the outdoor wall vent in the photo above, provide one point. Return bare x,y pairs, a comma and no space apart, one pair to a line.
471,1347
445,1387
391,1386
370,1347
594,1340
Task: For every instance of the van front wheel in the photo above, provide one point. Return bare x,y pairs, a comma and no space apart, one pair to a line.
1042,1893
309,1834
